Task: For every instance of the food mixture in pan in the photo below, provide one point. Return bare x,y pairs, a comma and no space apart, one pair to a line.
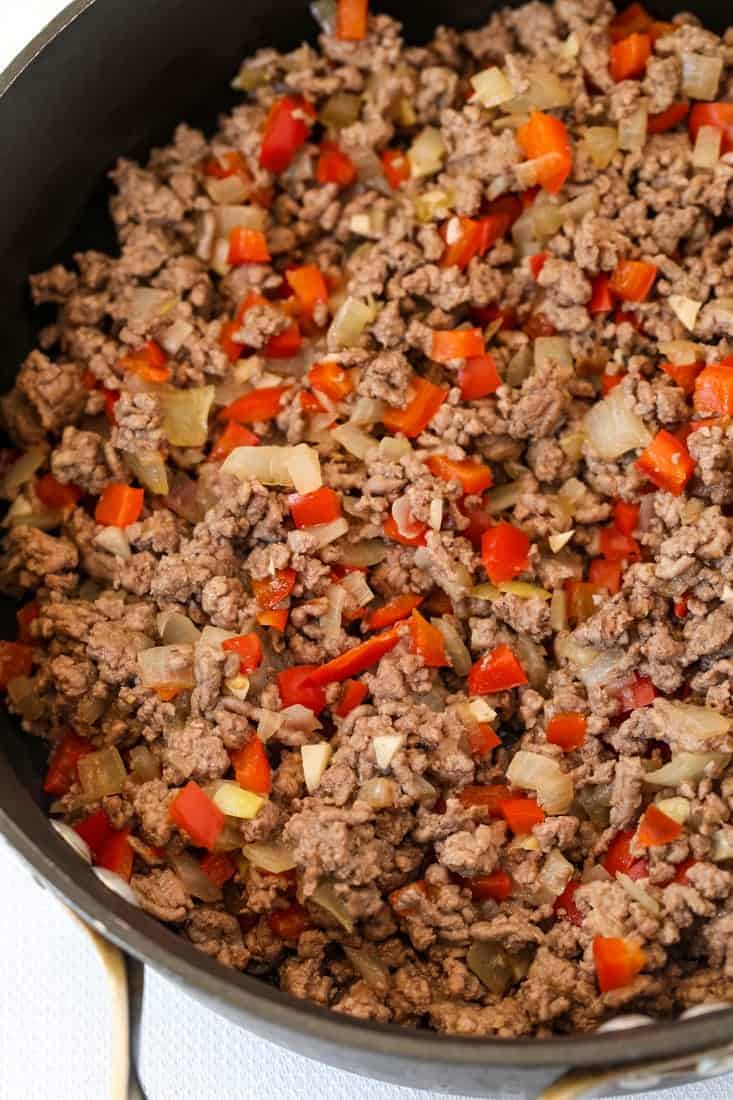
371,515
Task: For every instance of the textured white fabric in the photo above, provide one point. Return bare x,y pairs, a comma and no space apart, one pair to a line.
54,1008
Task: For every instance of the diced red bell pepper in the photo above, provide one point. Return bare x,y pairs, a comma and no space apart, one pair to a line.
714,390
537,262
308,285
62,773
633,280
393,532
286,131
680,607
117,854
278,620
309,403
459,343
111,397
497,886
601,299
24,617
396,167
496,671
95,830
567,730
487,315
297,685
358,659
610,381
54,494
616,546
632,20
626,516
479,378
474,477
504,552
426,398
252,768
290,923
463,239
479,522
331,380
521,814
605,574
353,695
667,120
272,591
487,797
545,138
617,962
148,363
16,659
581,600
393,612
119,506
255,406
629,56
334,166
309,509
427,642
619,857
482,739
717,115
219,867
667,462
638,693
248,648
656,828
234,435
565,905
193,811
351,20
247,246
683,375
680,875
285,345
232,348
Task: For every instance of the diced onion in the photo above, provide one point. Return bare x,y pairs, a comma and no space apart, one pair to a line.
145,765
433,205
297,718
355,585
490,963
435,514
114,541
722,845
613,428
706,153
703,723
354,440
195,881
559,540
685,309
234,801
22,513
677,808
325,533
101,773
232,217
268,725
304,466
455,647
700,75
362,554
603,668
559,610
379,793
547,219
331,621
523,590
73,839
232,189
636,891
393,448
22,470
367,411
480,711
150,470
684,767
24,695
385,746
555,874
632,129
186,416
491,87
265,464
325,895
585,203
271,857
167,665
372,969
315,761
503,497
552,349
402,515
351,318
117,884
533,660
340,110
532,771
601,144
177,629
545,92
427,153
238,686
147,304
214,637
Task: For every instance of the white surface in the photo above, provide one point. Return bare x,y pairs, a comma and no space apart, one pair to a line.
54,1015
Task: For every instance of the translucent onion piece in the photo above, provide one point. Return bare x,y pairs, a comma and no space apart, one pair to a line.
503,497
532,659
304,466
195,881
117,884
427,153
402,515
552,349
354,440
230,190
680,351
149,469
101,773
480,711
523,590
114,541
232,217
613,428
703,723
684,767
555,874
148,304
238,686
602,669
22,470
547,219
271,857
433,205
632,129
22,513
300,718
315,761
362,554
558,541
582,204
268,725
700,75
145,765
490,963
545,91
491,87
706,153
177,629
455,647
331,621
582,657
532,771
393,448
340,110
379,793
722,845
685,309
234,801
559,610
435,514
325,895
23,694
636,891
73,839
677,808
372,969
265,464
385,746
214,636
601,144
355,585
325,533
349,323
186,416
367,411
572,444
167,665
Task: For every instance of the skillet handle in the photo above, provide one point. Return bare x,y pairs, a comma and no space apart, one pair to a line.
617,1080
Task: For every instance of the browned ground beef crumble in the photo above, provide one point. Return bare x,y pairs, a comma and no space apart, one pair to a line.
197,550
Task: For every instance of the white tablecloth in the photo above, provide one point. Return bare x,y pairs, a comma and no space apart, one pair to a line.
54,1011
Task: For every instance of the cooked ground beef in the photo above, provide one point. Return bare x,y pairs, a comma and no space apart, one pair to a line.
377,579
